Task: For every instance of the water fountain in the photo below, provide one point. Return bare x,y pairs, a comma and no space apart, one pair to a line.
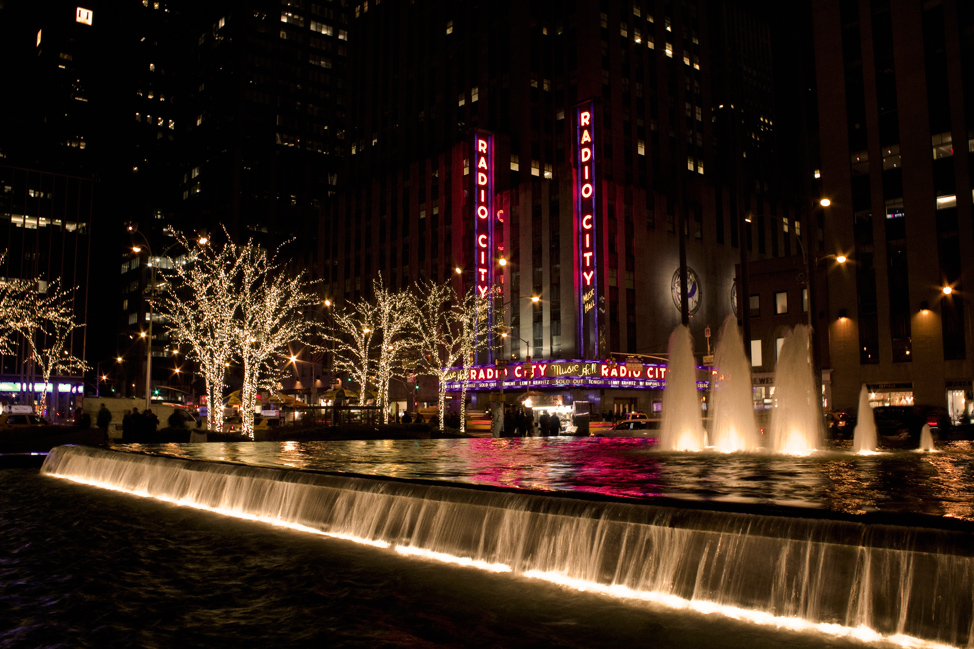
839,575
734,427
796,421
926,439
864,439
682,426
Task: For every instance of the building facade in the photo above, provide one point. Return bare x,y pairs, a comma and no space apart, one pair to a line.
896,103
577,141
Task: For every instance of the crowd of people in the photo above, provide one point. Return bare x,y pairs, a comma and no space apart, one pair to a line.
520,422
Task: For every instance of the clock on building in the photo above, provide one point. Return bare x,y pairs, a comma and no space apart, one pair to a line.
693,290
734,298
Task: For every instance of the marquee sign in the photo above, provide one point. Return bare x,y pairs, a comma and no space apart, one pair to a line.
586,220
562,373
483,203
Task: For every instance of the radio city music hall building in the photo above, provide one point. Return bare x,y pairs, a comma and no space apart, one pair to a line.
587,144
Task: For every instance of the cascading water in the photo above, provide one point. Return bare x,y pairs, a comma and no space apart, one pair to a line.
734,427
864,439
682,426
796,422
840,576
926,439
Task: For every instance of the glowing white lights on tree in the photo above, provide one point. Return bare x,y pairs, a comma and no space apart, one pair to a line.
449,332
351,333
200,303
38,317
272,311
395,328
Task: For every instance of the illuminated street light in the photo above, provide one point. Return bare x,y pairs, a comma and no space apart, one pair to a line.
535,299
825,202
841,259
502,261
948,290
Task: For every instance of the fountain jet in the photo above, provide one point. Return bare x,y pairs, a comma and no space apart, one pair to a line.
864,439
734,428
682,426
796,422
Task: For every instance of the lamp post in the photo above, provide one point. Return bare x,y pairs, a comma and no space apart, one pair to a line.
136,248
148,342
810,263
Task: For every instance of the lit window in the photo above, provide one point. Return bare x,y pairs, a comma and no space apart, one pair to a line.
649,42
640,147
546,85
292,19
798,228
138,117
82,16
700,166
781,303
686,58
152,67
778,342
669,50
535,168
321,28
784,224
696,62
691,165
196,172
635,10
604,19
817,174
699,114
942,145
474,94
666,23
342,35
466,166
547,172
449,27
515,163
891,157
199,120
462,100
805,300
946,202
624,30
756,360
560,115
637,36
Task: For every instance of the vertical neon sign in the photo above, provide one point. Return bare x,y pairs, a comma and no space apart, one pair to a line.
483,204
586,218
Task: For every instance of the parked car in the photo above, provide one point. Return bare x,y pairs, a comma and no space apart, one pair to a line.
630,428
19,421
636,415
842,424
234,423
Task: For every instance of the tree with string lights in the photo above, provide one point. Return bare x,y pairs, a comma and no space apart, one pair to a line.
40,316
272,314
394,329
200,304
449,330
351,334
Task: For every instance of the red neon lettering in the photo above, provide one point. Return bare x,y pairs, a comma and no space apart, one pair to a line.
482,146
588,258
483,291
588,240
585,170
540,368
587,221
483,257
482,241
482,164
588,277
500,215
482,211
586,154
605,369
586,118
585,137
587,190
483,195
518,371
481,178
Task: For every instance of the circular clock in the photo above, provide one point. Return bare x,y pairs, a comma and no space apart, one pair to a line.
734,298
693,290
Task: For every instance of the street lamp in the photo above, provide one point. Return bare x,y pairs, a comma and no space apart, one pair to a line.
810,263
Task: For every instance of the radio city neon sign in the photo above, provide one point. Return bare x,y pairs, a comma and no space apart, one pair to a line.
557,370
586,198
483,209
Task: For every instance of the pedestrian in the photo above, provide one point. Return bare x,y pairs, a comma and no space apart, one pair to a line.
175,420
510,427
77,417
149,422
128,424
554,426
543,423
103,419
407,418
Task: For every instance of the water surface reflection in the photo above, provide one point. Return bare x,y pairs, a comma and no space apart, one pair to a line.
939,484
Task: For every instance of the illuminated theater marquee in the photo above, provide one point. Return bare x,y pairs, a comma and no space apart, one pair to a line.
586,211
483,212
